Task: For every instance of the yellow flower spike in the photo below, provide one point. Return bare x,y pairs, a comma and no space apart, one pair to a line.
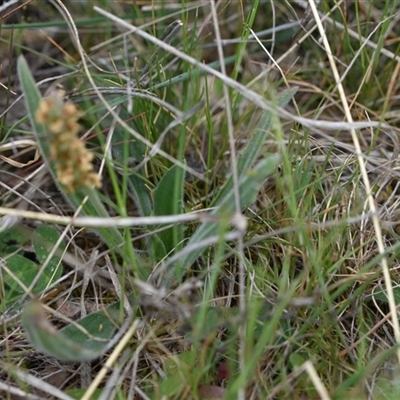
73,162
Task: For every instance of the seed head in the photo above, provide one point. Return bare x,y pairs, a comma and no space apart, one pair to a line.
73,162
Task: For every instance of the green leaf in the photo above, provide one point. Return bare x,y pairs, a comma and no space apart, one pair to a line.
254,147
176,367
382,295
101,325
249,155
297,360
78,393
135,149
84,341
12,239
250,181
24,270
44,239
168,200
32,100
141,193
248,188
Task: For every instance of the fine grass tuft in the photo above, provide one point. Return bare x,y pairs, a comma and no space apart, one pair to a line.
243,243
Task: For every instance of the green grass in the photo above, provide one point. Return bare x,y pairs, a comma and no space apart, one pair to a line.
231,251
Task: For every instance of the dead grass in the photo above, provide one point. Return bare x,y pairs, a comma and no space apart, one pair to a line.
295,295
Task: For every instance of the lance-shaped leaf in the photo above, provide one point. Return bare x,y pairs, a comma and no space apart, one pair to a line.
249,186
93,206
83,341
168,200
250,181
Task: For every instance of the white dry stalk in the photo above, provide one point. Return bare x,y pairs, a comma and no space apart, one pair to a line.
149,24
134,365
365,43
316,380
113,383
364,175
7,4
247,93
108,146
364,40
19,393
238,212
294,46
3,266
99,222
269,54
110,361
265,32
22,199
20,143
40,384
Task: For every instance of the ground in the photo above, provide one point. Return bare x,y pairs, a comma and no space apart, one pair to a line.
199,199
